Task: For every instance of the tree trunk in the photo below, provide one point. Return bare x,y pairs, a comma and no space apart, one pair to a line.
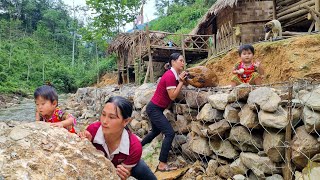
97,63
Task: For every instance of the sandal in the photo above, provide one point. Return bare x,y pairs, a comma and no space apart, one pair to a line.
167,169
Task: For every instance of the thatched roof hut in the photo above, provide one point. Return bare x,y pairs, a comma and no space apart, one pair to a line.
127,46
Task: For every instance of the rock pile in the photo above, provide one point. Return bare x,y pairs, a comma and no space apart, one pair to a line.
39,151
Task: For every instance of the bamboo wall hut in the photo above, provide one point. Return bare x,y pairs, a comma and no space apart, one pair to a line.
249,16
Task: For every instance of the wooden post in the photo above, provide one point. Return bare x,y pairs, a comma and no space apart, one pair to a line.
288,170
183,51
150,65
317,8
140,58
274,9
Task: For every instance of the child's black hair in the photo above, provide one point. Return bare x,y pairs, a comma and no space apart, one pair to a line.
173,56
123,104
246,47
46,92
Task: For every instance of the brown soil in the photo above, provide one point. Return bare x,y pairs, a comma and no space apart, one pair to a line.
107,79
297,57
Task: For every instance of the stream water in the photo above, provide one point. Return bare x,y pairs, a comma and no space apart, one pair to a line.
25,111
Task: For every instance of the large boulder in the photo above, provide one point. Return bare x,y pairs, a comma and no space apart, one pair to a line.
201,76
265,98
40,151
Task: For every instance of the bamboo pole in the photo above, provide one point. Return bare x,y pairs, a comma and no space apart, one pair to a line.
317,9
183,50
295,8
140,58
292,15
291,6
315,15
150,65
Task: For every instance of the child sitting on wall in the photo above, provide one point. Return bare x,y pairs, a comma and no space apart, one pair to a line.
247,71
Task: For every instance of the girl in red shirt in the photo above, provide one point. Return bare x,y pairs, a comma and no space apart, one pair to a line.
246,71
167,90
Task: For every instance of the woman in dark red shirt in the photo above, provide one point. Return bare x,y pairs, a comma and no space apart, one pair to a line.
119,145
167,90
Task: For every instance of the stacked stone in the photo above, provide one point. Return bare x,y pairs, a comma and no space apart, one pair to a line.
240,133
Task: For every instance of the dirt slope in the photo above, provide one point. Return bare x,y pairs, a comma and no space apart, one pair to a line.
297,57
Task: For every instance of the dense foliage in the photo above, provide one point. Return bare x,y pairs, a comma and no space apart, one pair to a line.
41,40
36,46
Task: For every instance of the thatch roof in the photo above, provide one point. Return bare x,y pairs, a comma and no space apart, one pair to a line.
123,42
213,11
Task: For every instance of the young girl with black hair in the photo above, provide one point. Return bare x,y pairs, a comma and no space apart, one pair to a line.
167,90
119,145
46,99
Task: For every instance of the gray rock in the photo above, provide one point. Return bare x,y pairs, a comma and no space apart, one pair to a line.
278,119
218,128
275,177
212,167
273,145
200,145
218,101
237,167
209,114
248,117
240,93
312,99
183,126
143,94
304,146
259,165
19,132
231,114
196,99
265,98
311,120
223,148
242,139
